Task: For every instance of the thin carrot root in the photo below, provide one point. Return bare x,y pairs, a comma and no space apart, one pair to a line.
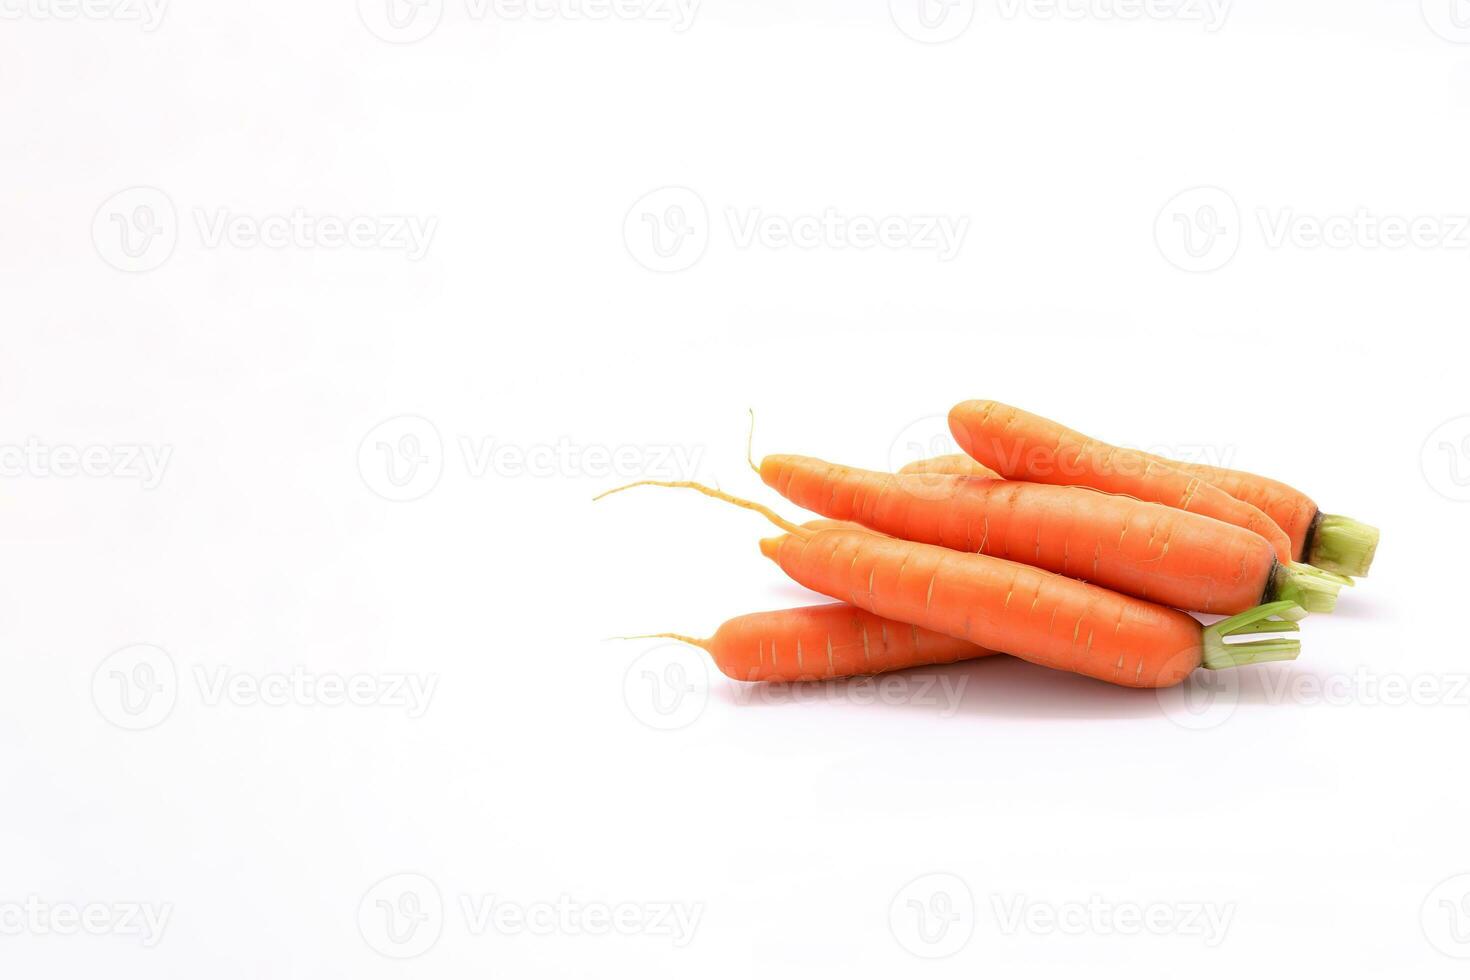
1220,653
1312,589
728,498
691,640
1341,544
749,443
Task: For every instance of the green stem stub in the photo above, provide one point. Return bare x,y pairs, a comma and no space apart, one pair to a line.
1310,588
1221,653
1341,544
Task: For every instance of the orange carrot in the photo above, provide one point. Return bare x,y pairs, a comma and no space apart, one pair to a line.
1001,605
1328,541
1040,616
1144,549
957,464
821,643
1022,446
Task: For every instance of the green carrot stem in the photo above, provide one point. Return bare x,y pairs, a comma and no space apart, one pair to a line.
1341,544
1310,588
1278,617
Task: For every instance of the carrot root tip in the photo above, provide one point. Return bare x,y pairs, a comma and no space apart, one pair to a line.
750,505
1224,648
1344,545
750,443
693,641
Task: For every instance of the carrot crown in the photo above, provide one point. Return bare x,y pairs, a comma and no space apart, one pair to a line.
1341,544
1224,648
1313,589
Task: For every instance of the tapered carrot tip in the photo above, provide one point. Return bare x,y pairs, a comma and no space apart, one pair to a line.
771,546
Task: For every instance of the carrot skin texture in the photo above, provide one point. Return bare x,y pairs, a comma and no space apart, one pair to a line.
1022,446
826,642
1143,549
1292,510
1033,614
955,464
1135,547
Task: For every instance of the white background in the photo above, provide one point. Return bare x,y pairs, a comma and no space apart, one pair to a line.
1313,805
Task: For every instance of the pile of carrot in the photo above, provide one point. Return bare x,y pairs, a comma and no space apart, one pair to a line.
1044,544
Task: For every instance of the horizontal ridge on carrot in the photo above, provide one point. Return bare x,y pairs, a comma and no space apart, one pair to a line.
1329,541
1022,446
822,643
1146,550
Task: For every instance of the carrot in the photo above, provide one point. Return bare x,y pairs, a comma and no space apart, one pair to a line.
1144,549
822,643
1022,446
1001,605
1037,615
957,464
1328,541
